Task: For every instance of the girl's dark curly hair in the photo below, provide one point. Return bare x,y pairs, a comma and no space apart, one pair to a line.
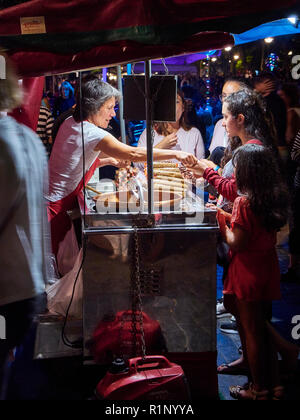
234,142
258,177
258,121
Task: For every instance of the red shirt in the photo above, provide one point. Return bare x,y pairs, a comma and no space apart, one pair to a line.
253,273
226,187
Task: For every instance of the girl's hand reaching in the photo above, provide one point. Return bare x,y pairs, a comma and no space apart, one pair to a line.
236,237
227,216
198,167
208,163
223,218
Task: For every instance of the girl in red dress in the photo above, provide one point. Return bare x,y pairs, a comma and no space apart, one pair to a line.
253,278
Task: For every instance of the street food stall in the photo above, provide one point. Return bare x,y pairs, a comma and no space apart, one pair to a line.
149,252
166,261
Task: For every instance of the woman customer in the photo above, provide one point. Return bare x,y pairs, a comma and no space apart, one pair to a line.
179,135
220,138
220,160
94,109
245,117
253,278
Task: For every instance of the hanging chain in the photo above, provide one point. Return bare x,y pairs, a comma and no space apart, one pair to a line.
137,309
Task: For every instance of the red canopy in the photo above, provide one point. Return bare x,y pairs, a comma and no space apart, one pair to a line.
65,36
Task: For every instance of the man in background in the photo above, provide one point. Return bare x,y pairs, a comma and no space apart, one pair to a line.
24,230
266,84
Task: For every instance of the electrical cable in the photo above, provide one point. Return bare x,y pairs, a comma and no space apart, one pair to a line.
66,341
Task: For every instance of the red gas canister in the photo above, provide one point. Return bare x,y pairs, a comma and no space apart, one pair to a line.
115,338
154,378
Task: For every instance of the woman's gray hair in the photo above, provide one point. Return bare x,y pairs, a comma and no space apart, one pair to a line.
11,94
94,93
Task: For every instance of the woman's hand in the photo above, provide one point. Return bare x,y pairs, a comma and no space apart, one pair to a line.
187,159
113,162
266,87
168,142
120,163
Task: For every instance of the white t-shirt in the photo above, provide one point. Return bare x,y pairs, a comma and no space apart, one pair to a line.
220,137
66,161
188,141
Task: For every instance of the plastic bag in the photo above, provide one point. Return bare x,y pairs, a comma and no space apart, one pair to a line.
67,252
59,294
52,270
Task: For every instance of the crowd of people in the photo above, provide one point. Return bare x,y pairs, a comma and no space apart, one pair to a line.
251,168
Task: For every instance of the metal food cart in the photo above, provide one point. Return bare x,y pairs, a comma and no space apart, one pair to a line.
177,270
178,284
176,266
179,250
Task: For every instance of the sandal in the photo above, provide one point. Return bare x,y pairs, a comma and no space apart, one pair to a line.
235,390
227,369
251,394
278,393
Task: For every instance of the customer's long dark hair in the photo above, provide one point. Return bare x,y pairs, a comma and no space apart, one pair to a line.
258,120
258,178
233,144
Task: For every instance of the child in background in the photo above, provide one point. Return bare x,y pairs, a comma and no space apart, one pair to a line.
253,278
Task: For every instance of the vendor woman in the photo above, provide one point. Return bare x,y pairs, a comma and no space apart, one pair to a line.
98,100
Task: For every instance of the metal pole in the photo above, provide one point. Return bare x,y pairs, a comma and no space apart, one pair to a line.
121,105
149,137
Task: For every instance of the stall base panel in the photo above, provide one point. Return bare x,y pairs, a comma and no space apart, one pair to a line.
181,270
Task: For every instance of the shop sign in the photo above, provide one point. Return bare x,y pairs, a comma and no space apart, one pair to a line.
33,25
